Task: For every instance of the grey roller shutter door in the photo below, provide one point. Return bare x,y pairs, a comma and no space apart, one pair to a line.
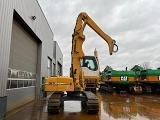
23,53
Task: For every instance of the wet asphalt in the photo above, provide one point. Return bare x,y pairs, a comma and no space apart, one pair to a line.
112,107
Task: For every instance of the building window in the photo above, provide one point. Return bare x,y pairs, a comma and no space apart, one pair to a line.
26,83
54,69
59,68
49,67
20,79
13,84
8,84
20,83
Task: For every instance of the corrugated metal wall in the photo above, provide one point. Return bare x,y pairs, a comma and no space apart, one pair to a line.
5,37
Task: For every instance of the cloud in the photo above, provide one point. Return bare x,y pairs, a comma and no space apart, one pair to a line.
135,25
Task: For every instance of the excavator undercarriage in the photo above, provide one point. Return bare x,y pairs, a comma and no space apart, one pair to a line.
89,101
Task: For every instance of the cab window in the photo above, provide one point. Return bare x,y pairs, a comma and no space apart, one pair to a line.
90,63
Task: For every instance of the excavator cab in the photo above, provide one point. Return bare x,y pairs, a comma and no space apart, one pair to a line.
89,62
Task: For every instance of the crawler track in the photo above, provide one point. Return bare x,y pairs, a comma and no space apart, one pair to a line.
54,103
92,104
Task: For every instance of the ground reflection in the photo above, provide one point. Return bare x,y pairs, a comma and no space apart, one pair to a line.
112,107
130,107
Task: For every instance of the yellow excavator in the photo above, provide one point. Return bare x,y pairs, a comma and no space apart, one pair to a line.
74,87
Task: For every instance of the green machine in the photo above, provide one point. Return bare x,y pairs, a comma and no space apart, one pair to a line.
151,78
116,80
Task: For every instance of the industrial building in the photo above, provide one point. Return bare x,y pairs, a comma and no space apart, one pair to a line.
28,53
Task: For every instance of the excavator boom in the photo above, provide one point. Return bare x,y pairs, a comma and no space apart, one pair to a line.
77,41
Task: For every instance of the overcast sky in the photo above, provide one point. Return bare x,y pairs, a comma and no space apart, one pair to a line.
134,24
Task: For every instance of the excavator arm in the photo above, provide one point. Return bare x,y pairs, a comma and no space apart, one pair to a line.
77,41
